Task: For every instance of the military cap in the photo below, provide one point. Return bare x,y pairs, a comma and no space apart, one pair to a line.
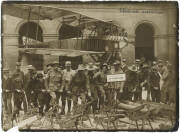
133,68
90,67
124,60
18,63
160,61
80,68
138,60
97,63
30,67
39,75
55,62
145,65
5,70
68,63
117,63
154,62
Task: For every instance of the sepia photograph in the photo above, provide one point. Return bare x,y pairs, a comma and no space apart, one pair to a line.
90,66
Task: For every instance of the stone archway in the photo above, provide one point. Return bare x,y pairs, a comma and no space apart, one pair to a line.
144,41
33,31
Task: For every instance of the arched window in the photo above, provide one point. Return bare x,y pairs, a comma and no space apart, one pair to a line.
144,41
30,30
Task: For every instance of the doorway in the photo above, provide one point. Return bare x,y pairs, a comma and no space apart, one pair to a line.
144,42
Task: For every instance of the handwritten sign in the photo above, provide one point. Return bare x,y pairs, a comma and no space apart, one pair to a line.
116,77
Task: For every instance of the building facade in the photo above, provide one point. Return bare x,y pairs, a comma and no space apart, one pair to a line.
152,29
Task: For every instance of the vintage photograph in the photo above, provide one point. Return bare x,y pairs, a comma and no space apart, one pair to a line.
98,66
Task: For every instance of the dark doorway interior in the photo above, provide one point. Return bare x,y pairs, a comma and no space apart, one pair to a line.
144,42
32,30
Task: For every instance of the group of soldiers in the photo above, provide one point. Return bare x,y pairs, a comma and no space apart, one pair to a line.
88,83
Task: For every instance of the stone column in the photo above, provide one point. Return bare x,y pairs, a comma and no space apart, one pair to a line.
172,34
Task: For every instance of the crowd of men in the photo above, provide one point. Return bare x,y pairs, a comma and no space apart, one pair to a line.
89,83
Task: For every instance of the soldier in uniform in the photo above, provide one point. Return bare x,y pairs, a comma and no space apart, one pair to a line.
79,85
28,78
154,80
43,96
124,65
7,91
143,78
54,82
67,75
93,94
130,85
164,81
18,88
102,86
118,86
33,90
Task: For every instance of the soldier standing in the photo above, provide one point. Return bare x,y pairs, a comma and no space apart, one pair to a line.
91,70
7,90
54,82
130,83
101,85
67,75
79,84
28,78
143,77
118,86
124,65
154,80
18,88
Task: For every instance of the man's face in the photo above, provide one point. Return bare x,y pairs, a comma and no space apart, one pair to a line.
18,68
55,67
80,71
104,69
68,67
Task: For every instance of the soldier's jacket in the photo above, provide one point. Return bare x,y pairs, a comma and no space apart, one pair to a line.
7,84
131,78
80,82
154,79
18,80
124,67
143,78
100,78
54,80
66,79
27,77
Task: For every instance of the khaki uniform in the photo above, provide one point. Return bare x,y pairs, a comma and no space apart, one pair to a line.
53,83
7,94
100,82
19,93
65,89
118,86
79,85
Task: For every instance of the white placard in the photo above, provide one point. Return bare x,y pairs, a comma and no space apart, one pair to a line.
116,77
